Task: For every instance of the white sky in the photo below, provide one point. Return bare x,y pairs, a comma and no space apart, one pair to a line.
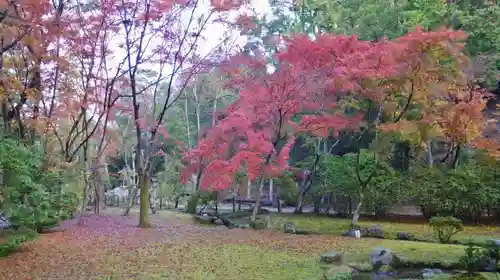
260,6
213,32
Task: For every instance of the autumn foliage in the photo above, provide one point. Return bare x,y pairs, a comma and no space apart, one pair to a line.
321,80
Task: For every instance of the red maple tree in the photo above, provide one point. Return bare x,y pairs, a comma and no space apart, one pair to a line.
318,78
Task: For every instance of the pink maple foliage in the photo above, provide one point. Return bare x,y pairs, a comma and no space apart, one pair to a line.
314,78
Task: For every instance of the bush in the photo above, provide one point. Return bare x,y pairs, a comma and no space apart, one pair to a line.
472,260
465,192
14,242
288,189
259,224
443,228
32,195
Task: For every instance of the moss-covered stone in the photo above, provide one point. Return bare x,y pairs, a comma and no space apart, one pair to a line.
332,257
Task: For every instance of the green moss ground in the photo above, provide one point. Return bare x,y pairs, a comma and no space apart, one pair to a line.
337,226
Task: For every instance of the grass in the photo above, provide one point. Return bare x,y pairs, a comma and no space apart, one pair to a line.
337,226
236,261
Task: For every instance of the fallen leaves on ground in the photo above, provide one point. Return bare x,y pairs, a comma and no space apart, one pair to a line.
113,247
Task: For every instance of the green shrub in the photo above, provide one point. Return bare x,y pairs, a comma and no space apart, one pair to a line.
288,189
443,228
259,224
472,260
32,195
15,241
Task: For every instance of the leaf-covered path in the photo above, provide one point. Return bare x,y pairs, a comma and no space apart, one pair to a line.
112,247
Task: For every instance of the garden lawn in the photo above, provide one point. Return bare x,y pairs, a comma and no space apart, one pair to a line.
112,247
337,226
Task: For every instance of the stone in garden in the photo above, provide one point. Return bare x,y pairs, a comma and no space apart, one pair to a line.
4,222
381,256
332,257
352,233
202,219
375,232
490,265
430,272
290,228
218,222
403,236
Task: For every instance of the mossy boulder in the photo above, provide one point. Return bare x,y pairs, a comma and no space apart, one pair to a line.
332,257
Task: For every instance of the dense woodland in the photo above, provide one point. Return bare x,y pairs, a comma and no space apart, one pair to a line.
382,102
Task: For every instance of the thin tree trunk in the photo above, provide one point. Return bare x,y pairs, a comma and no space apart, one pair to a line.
357,211
271,189
144,200
454,164
85,169
304,188
257,202
430,158
197,113
186,115
214,108
249,188
103,179
130,202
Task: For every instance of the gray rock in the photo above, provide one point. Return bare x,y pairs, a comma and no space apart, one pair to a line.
332,257
430,272
290,228
350,233
4,222
375,232
403,236
490,265
218,222
381,256
204,219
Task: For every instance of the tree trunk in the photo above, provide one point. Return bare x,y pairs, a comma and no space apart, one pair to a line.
317,204
131,197
257,202
271,189
300,199
144,201
357,211
186,115
103,179
430,158
249,189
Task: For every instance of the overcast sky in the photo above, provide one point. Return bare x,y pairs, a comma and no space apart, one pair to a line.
213,32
